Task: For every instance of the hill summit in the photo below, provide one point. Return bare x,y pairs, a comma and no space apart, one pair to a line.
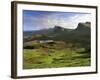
84,25
59,28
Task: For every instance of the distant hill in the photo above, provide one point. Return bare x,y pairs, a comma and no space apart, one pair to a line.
61,29
49,31
31,33
82,31
82,28
79,35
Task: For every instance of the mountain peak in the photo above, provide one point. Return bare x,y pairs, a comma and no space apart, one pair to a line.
59,28
84,25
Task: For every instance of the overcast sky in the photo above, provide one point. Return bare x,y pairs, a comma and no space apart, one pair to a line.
36,20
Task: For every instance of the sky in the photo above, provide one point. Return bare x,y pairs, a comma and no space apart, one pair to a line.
37,20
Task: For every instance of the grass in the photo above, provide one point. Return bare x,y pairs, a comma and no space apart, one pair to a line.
51,57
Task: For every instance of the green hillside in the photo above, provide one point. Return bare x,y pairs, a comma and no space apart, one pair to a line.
57,47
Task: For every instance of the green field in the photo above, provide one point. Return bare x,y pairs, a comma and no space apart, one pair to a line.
58,54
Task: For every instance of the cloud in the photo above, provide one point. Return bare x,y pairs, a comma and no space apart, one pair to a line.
65,20
74,20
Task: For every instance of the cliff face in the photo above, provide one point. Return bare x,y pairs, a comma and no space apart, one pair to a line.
84,25
81,27
58,28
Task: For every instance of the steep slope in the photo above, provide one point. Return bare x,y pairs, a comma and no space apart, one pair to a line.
81,35
82,29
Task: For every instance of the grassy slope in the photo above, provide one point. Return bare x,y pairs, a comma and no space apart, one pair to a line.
50,58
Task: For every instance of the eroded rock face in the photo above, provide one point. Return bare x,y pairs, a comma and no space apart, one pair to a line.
58,28
84,25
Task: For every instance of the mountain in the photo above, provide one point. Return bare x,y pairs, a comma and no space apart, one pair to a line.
78,35
82,28
61,29
84,25
82,34
50,31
